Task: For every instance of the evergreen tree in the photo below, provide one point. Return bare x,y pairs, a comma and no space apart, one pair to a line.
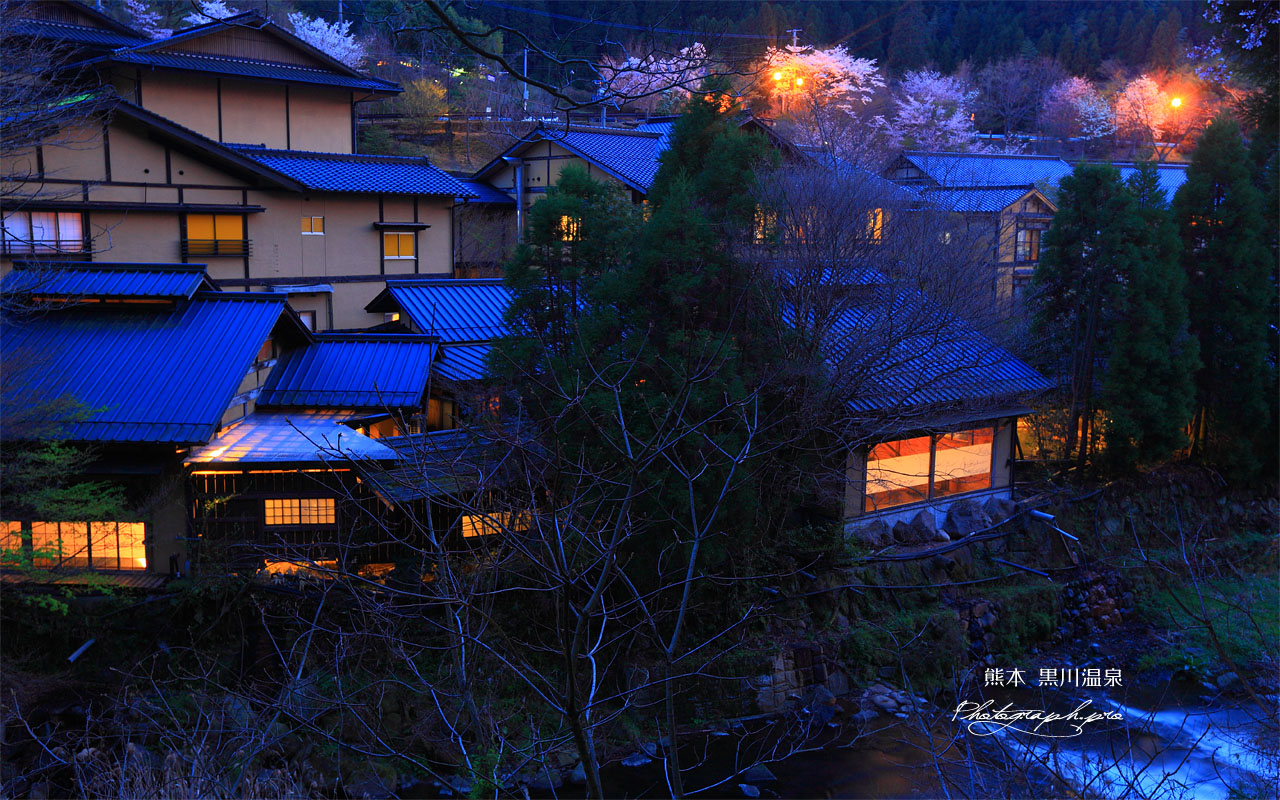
1149,388
908,41
1231,282
1077,291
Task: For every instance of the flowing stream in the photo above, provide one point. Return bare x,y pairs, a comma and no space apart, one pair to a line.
1171,750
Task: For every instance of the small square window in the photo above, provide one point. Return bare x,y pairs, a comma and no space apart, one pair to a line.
300,511
313,226
308,319
397,245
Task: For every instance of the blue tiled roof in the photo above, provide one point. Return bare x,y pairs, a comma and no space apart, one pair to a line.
484,193
437,463
352,371
462,362
341,172
454,310
145,375
901,351
974,199
294,437
247,68
76,34
1170,176
630,156
157,281
988,169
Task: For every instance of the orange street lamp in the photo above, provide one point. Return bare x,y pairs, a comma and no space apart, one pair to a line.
1176,102
777,76
799,81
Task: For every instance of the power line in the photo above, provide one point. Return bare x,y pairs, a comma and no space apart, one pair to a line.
582,20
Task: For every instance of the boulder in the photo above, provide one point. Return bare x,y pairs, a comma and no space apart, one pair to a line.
1000,508
874,534
965,517
546,780
902,533
924,528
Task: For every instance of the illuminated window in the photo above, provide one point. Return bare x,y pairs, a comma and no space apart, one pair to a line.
493,523
308,319
1028,244
924,467
313,226
875,225
300,511
28,232
397,245
12,546
440,416
569,229
216,235
766,226
90,545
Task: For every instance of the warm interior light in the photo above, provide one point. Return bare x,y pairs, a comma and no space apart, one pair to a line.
799,81
1176,102
777,76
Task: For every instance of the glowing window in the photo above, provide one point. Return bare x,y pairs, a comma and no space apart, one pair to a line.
875,225
493,523
26,232
313,226
766,226
216,235
397,245
923,467
1028,244
300,511
96,545
569,229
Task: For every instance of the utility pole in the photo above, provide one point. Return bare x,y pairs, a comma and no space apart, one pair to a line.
340,17
525,83
795,32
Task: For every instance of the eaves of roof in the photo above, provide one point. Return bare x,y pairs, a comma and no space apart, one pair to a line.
101,280
142,374
353,371
347,172
255,20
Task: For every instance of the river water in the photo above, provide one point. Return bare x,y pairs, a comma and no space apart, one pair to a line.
1172,750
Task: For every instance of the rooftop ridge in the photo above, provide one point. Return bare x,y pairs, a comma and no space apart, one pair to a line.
598,129
979,155
444,281
387,338
249,149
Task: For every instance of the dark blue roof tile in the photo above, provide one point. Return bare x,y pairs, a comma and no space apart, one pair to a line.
454,310
988,169
353,371
246,68
153,376
153,281
341,172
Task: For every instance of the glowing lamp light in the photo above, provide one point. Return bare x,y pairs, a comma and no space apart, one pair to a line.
799,81
777,76
1176,102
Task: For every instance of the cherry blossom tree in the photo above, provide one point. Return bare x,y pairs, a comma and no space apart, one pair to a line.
334,38
934,112
821,93
1142,110
1073,108
146,19
656,81
210,11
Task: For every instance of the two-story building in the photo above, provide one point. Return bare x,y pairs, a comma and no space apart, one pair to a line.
230,144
